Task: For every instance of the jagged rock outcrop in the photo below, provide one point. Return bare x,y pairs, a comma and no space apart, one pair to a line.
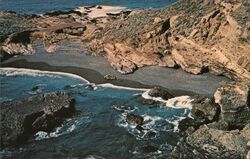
18,43
220,125
218,143
22,118
204,111
234,101
11,25
160,92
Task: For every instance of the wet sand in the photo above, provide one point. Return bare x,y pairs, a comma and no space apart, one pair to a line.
71,57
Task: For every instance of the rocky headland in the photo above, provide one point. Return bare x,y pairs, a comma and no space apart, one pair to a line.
196,36
20,119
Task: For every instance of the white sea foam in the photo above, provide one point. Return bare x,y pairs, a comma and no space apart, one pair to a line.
9,71
145,95
177,102
109,85
175,122
41,135
5,99
180,102
94,157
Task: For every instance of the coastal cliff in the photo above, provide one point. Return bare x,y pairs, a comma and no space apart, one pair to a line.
198,36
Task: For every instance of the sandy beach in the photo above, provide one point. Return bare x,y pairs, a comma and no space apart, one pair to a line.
71,57
100,11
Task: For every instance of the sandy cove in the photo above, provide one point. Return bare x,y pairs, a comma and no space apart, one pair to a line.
71,57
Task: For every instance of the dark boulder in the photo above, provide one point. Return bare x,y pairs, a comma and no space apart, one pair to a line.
204,109
139,127
22,118
57,13
160,92
149,149
110,77
98,7
148,101
135,119
188,123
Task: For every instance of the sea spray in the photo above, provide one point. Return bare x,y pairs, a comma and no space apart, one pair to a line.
181,102
9,71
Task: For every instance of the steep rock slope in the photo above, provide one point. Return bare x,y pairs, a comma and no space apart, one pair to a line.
196,35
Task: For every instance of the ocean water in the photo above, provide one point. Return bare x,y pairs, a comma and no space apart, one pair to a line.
42,6
100,130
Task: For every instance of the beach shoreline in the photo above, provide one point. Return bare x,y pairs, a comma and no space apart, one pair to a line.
71,57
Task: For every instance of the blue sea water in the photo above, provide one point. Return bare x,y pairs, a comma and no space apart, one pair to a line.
42,6
100,130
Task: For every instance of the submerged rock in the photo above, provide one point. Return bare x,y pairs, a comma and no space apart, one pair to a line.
160,92
23,118
148,101
135,119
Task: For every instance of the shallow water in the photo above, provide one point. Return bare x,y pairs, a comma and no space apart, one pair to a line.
100,130
39,7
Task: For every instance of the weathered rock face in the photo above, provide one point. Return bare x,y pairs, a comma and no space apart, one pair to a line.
208,142
198,36
205,109
215,142
22,118
160,92
234,101
232,96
